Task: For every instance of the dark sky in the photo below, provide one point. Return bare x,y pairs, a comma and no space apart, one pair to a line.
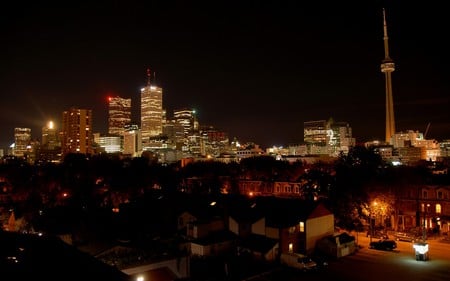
255,69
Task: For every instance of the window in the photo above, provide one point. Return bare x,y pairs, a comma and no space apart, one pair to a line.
439,195
291,229
291,248
438,208
302,226
425,194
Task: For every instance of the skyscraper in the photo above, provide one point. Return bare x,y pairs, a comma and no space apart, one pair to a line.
50,149
186,118
77,131
151,111
132,143
119,115
50,136
22,139
388,66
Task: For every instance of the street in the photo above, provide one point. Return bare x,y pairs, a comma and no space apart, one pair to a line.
376,265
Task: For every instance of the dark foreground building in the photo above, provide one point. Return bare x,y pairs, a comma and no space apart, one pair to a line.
32,257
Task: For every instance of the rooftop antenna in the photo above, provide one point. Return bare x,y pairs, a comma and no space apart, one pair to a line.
426,130
148,77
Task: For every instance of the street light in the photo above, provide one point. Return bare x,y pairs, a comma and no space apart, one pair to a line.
425,214
370,220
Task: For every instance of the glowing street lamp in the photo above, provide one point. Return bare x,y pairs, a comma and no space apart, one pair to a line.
370,219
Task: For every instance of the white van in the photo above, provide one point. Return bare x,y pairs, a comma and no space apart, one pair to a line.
297,260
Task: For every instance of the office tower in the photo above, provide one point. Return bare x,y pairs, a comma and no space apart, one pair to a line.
22,140
328,137
186,118
109,144
339,138
50,149
77,131
132,141
315,136
387,67
151,111
119,115
50,138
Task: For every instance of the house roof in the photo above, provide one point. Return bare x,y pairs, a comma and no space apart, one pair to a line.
216,237
286,212
203,209
246,212
343,237
27,256
258,243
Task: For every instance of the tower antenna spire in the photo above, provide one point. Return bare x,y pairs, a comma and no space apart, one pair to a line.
149,74
387,67
385,37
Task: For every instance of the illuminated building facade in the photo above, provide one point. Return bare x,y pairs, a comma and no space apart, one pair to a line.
340,138
50,138
151,112
22,140
315,136
110,144
50,148
328,137
187,119
132,141
77,131
119,115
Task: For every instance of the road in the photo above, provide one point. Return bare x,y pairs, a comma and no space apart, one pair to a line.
376,265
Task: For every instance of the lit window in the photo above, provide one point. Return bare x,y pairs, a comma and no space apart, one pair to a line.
291,248
438,208
302,226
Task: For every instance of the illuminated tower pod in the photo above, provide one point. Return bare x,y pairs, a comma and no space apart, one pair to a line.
151,111
388,66
77,131
119,115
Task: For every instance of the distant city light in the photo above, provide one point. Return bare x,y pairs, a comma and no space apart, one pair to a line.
50,125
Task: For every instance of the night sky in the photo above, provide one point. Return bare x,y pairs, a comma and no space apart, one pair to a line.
256,70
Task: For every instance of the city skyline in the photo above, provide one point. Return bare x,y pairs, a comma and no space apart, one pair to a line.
256,71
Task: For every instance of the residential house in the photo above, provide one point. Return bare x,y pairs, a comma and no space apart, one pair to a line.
295,224
203,227
337,245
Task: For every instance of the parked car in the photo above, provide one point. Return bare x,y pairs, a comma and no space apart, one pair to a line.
377,234
320,259
383,244
406,236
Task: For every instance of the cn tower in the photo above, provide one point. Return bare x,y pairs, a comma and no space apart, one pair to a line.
388,66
